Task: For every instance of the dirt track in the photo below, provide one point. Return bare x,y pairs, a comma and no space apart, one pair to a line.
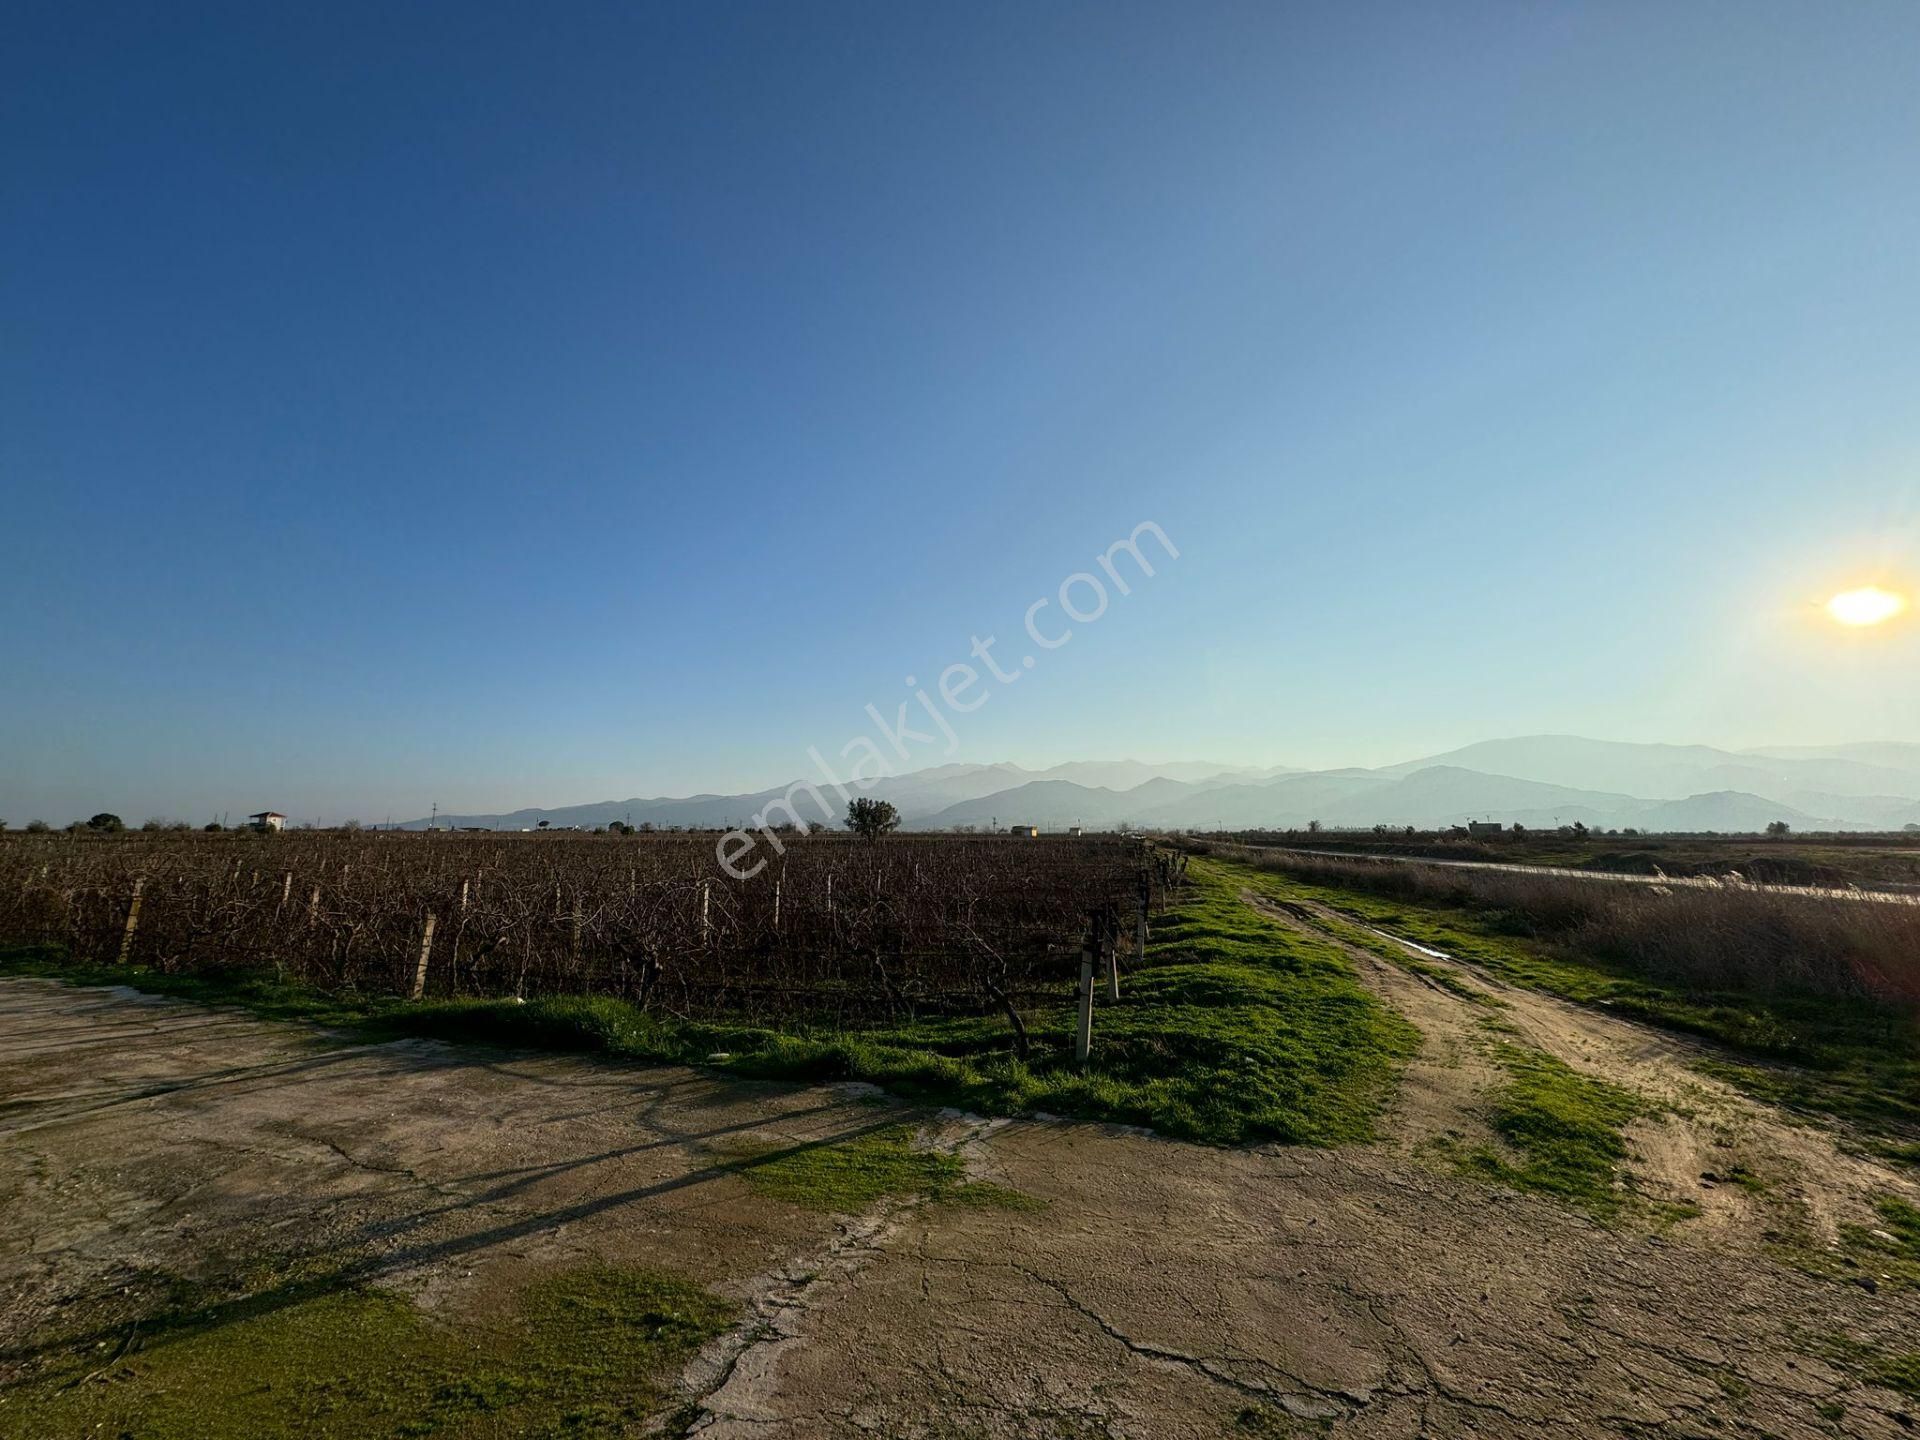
1169,1290
1882,893
1698,1127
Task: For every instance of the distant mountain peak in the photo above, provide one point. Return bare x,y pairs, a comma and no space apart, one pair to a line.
1535,779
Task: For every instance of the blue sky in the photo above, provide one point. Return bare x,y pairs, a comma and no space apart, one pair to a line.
496,404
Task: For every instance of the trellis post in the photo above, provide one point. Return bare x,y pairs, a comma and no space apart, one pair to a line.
1140,923
426,949
133,918
1110,942
1083,1038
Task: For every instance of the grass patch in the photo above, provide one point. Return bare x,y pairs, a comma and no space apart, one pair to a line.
1746,1179
1896,1370
1565,1128
1889,1251
1267,1420
985,1195
1880,1256
586,1354
1445,976
848,1177
1899,1154
1230,1030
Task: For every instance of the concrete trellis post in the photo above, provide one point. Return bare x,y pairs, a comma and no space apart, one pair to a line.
706,924
426,949
286,889
1083,1038
1110,942
133,918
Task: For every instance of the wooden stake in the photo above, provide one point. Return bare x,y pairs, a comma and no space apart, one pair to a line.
426,949
1110,942
1083,1039
133,918
706,925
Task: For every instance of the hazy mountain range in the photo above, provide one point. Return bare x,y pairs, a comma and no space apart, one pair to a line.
1536,780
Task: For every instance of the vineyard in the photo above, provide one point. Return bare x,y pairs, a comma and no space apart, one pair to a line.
837,929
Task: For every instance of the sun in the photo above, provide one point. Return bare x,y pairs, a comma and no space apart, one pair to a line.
1869,605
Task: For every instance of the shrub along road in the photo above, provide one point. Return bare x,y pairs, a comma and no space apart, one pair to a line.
214,1225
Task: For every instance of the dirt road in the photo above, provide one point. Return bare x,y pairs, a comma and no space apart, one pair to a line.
1166,1290
1696,1131
1886,894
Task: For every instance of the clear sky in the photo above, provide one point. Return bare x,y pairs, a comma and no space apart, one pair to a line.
489,405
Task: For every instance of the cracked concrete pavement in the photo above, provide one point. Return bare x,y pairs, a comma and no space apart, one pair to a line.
1167,1290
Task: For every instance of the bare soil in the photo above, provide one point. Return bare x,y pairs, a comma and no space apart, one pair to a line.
1167,1290
1697,1132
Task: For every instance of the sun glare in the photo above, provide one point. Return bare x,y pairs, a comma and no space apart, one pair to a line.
1869,605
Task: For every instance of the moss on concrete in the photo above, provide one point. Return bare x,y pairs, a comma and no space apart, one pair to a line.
586,1355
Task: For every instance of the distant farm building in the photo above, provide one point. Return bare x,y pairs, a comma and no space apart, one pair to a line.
1073,830
1029,831
1484,827
269,820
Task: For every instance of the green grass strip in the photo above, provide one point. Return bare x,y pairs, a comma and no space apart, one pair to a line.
587,1353
848,1177
1565,1128
1231,1030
